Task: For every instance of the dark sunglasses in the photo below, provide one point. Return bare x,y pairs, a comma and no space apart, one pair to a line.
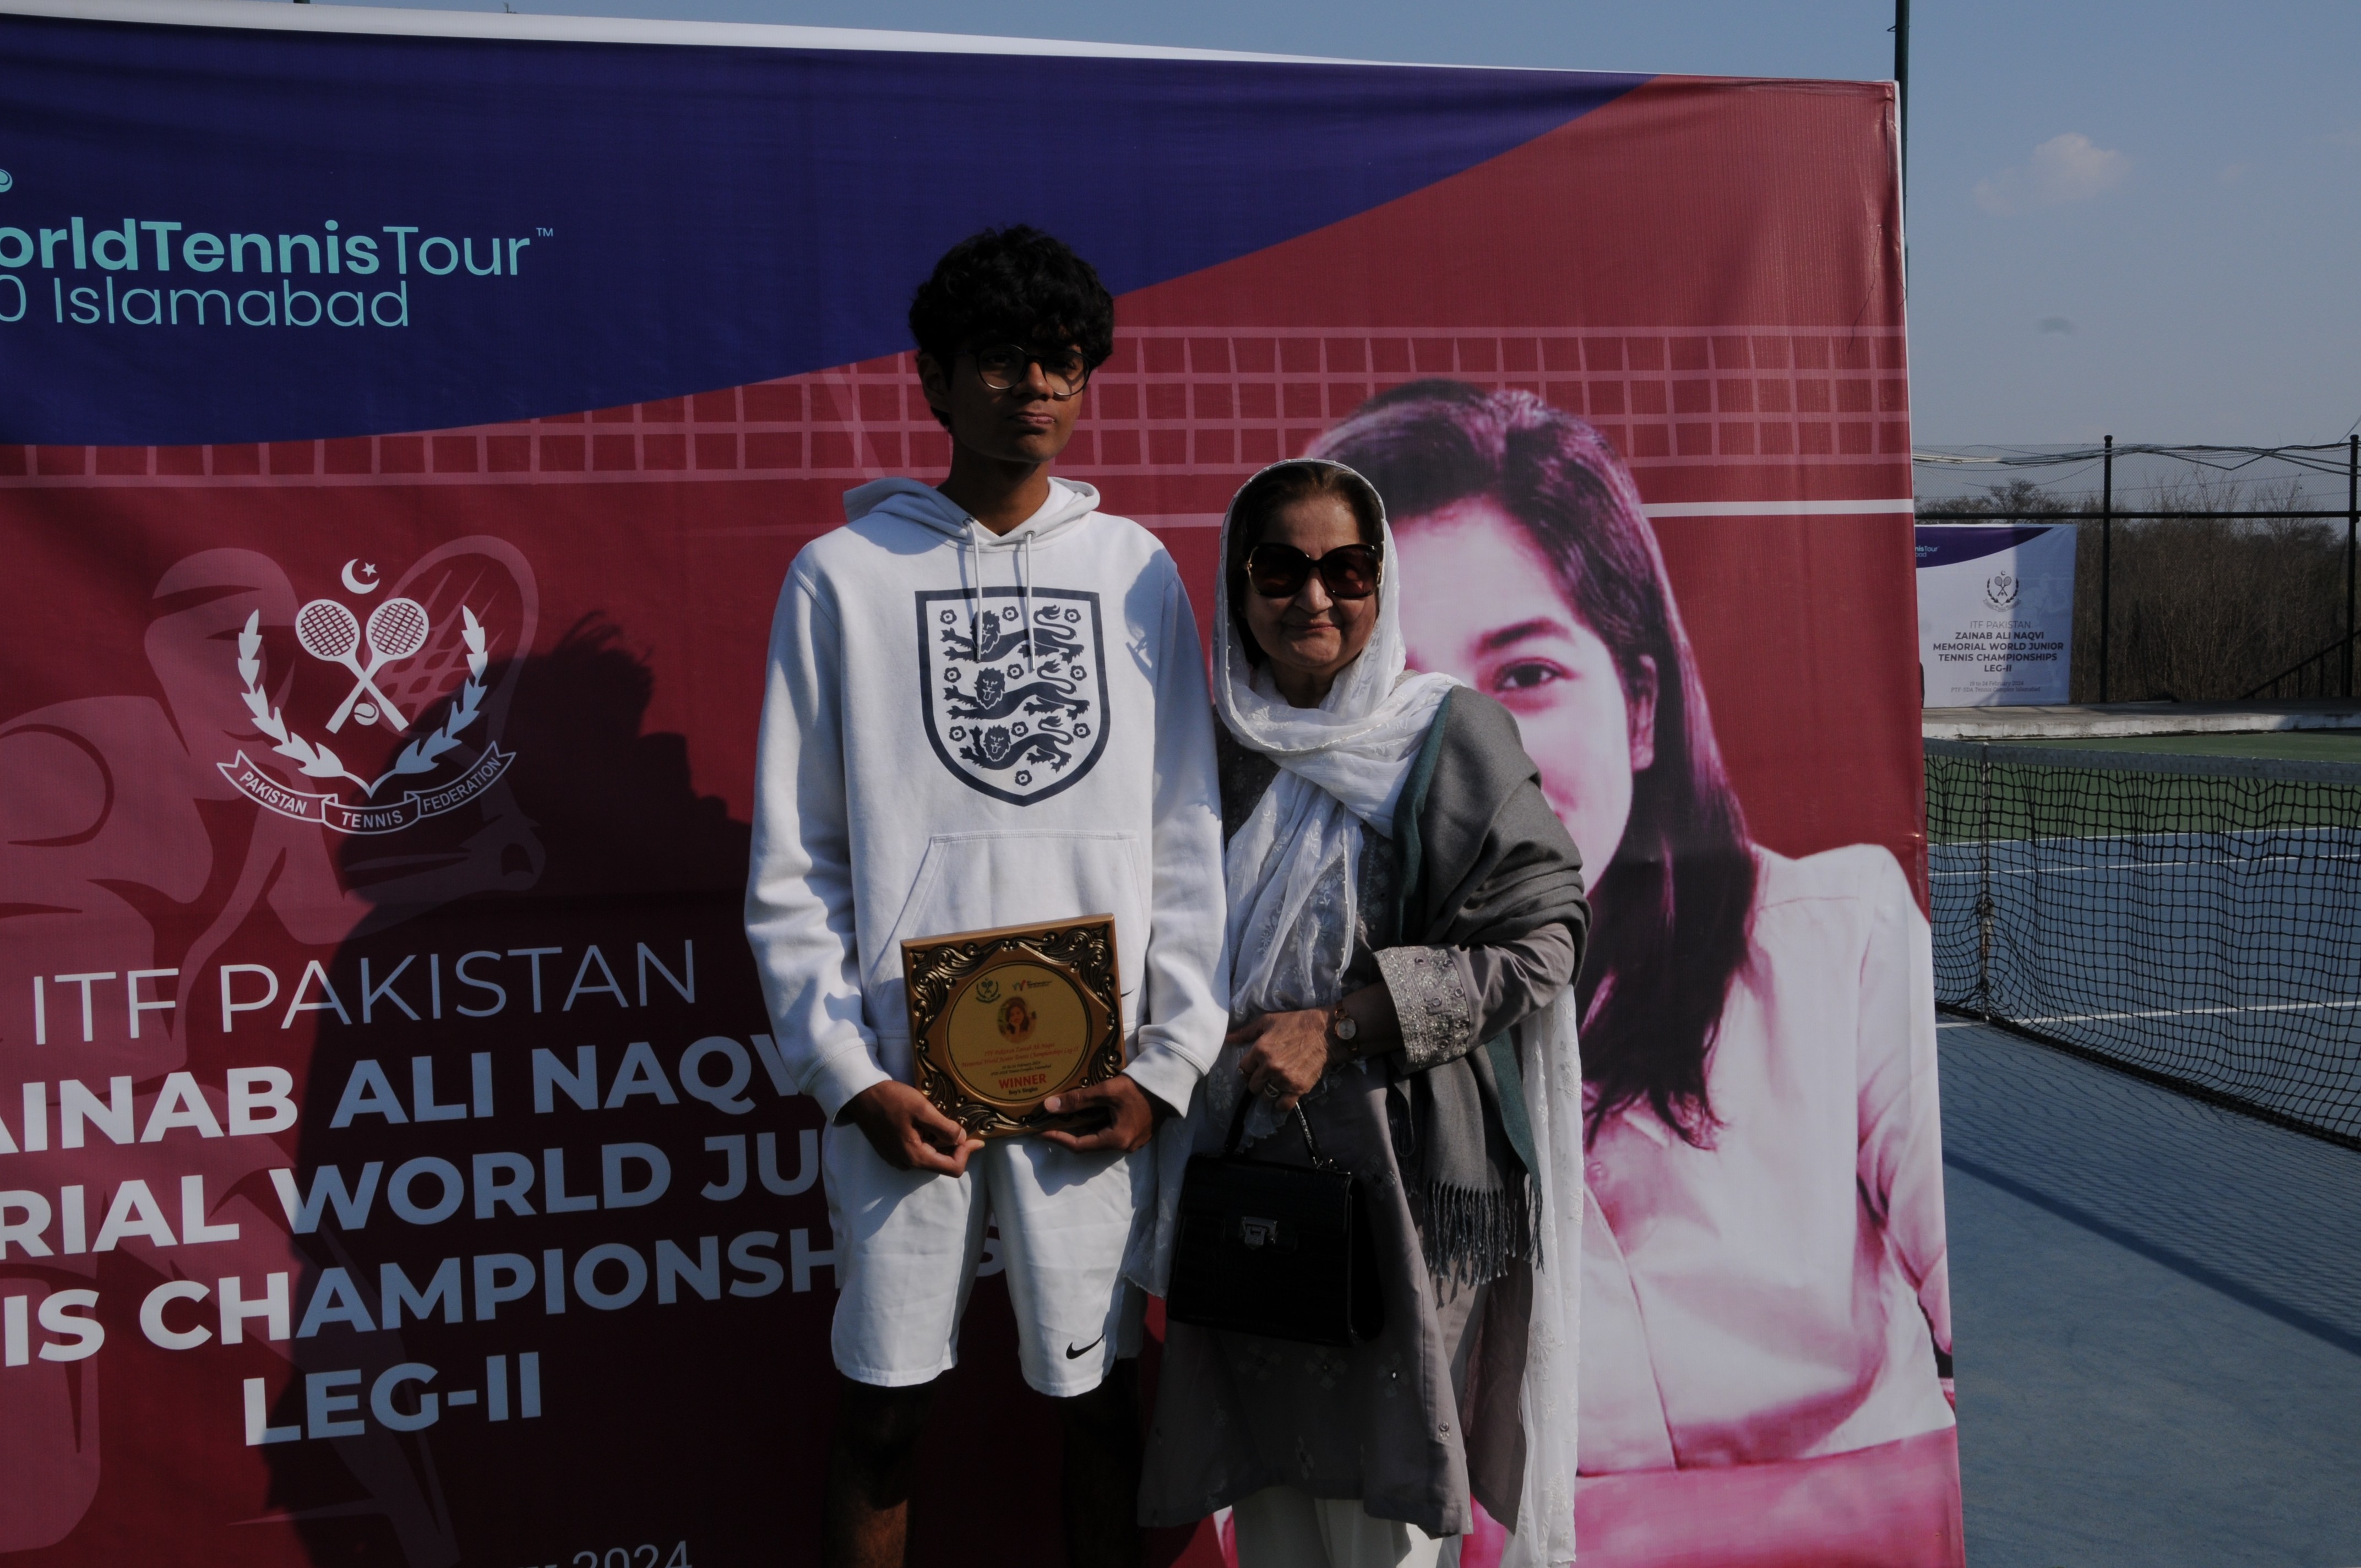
1347,572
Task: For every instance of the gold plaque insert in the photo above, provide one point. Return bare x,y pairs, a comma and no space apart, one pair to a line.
1000,1020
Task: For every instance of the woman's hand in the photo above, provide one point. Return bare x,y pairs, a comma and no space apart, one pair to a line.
1286,1056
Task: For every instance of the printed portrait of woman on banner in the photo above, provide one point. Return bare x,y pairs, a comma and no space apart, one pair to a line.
1766,1322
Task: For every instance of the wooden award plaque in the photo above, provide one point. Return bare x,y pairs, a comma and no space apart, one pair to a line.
1000,1020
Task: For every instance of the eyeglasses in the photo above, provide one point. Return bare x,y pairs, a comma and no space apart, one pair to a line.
1347,572
1003,368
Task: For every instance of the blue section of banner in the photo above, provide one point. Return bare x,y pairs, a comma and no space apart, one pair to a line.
441,232
1945,546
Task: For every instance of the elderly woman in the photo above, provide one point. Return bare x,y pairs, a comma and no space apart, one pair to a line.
1405,910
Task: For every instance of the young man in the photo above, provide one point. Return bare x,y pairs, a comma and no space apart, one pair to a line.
902,793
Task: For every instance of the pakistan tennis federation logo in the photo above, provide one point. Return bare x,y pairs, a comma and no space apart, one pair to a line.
2000,590
1018,717
383,656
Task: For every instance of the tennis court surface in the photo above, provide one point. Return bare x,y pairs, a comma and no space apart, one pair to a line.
2154,1217
2157,1313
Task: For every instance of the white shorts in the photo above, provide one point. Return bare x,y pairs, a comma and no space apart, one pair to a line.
908,1243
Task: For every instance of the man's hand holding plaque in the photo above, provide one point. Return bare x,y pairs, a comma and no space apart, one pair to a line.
1002,1021
907,1131
1121,1112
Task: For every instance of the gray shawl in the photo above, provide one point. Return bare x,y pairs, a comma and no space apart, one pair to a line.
1483,861
1480,860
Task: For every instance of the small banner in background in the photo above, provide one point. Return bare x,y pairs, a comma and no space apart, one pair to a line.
1995,614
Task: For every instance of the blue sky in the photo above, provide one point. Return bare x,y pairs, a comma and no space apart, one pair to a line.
2137,218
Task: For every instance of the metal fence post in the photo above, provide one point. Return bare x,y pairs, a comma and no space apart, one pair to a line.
2352,527
2106,561
1984,907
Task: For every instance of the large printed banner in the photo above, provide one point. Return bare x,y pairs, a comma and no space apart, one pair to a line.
406,420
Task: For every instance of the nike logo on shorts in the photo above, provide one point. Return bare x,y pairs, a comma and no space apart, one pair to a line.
1075,1352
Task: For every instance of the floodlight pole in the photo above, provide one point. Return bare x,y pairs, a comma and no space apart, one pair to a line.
1902,118
2106,560
1901,78
2352,529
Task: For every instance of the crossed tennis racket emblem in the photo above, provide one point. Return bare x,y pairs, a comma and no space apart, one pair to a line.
333,634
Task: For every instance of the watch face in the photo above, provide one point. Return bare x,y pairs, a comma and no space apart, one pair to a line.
1346,1030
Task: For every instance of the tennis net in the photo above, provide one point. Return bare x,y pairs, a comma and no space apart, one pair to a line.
2194,919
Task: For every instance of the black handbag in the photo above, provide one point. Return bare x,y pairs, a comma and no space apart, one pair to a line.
1284,1251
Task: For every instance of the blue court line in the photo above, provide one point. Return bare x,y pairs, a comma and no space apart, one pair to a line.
2189,1268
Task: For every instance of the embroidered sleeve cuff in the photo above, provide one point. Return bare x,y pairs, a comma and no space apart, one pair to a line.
1431,998
1165,1074
836,1080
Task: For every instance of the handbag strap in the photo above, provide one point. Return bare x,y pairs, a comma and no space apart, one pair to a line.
1238,1130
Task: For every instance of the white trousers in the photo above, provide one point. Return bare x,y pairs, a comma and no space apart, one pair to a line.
1281,1527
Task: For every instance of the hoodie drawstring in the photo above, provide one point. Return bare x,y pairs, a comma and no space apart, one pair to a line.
971,588
971,592
1025,595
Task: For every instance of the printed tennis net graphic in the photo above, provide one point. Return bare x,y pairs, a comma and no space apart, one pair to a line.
2195,918
1172,401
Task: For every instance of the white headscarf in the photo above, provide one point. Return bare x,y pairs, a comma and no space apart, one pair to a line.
1357,745
1291,869
1292,865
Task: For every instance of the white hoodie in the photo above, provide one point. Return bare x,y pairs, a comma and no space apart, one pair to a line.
963,731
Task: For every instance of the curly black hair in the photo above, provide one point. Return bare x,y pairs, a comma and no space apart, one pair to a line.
1012,285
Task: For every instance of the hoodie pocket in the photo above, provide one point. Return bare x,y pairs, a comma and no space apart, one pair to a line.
975,881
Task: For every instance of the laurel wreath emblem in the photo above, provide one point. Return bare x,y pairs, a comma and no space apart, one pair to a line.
314,759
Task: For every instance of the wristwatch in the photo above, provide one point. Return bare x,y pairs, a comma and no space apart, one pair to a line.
1341,1024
